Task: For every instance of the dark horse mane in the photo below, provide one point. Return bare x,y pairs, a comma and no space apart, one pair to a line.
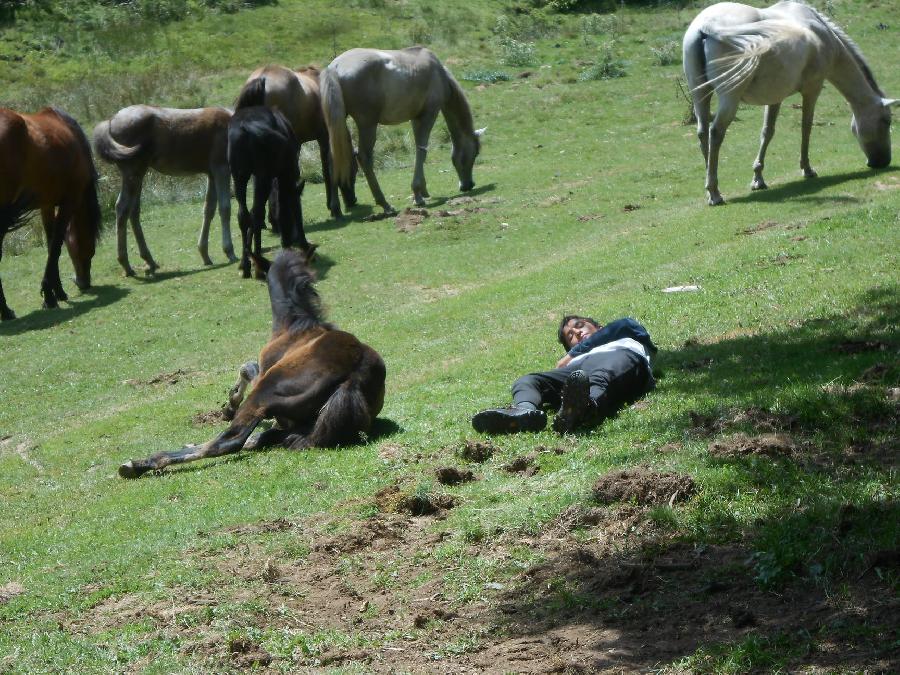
92,213
253,93
296,306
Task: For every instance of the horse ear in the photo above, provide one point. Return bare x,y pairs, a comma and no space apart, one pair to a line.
890,102
480,132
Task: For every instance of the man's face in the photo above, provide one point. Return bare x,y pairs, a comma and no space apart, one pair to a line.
577,330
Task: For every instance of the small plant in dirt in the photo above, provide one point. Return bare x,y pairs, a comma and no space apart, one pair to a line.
666,54
516,52
489,76
610,67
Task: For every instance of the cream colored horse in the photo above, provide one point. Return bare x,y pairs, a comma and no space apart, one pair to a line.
375,87
175,142
762,56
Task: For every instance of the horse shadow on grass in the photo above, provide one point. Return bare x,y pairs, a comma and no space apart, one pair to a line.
628,591
805,189
41,319
159,276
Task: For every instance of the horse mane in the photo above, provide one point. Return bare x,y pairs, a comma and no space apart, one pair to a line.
854,50
253,93
296,306
457,111
91,201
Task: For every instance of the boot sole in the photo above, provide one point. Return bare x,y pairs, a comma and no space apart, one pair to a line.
495,422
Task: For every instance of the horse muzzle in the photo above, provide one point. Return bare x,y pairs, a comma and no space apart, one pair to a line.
879,161
466,186
83,282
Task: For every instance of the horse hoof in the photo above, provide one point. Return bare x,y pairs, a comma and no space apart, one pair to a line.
809,173
128,272
718,200
207,261
759,185
129,470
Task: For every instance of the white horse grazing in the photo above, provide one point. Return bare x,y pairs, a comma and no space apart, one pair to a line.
762,56
375,87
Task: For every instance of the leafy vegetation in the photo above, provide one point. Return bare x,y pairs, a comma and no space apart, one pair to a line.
777,394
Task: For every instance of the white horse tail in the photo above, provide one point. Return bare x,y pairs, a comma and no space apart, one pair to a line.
110,149
335,113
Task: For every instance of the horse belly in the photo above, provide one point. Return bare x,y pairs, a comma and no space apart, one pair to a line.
774,80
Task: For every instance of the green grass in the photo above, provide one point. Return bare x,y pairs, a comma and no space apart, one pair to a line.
458,308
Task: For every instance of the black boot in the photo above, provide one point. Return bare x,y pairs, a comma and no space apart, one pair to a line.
509,420
577,407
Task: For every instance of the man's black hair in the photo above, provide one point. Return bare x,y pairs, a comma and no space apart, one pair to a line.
566,319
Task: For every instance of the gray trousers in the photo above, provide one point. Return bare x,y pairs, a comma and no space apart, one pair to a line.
617,379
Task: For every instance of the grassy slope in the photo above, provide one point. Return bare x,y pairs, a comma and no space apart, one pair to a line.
458,309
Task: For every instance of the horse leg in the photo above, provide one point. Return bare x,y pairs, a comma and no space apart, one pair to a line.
143,251
262,189
334,205
55,225
209,209
701,112
244,222
124,203
246,374
367,162
809,108
765,137
5,312
421,132
274,215
228,442
222,178
724,116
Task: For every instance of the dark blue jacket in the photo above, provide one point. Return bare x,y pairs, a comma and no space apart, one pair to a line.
615,330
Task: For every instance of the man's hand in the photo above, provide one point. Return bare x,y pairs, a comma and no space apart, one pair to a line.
564,361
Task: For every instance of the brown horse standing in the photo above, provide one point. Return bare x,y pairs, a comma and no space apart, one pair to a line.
175,142
46,164
296,94
322,385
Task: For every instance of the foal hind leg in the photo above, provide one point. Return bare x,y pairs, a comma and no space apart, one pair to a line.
143,250
367,163
209,210
765,137
724,116
421,132
222,177
124,204
246,374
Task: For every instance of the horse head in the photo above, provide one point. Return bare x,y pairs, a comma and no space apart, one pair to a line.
872,128
465,150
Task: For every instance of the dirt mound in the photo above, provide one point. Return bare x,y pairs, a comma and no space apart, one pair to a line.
760,419
209,417
10,591
740,445
859,346
410,219
477,451
247,654
392,499
449,475
525,465
171,378
643,486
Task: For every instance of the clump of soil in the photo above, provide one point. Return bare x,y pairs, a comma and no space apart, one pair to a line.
759,227
875,373
449,475
524,465
858,346
209,417
428,614
760,419
247,654
410,219
174,377
10,591
477,451
739,445
644,487
392,499
556,450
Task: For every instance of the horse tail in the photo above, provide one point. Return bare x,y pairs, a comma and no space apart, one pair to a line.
253,93
335,113
113,151
350,411
90,200
295,302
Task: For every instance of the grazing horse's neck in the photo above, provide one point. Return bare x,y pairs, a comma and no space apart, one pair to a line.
851,75
457,112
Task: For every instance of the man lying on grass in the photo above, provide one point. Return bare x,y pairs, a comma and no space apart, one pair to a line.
605,368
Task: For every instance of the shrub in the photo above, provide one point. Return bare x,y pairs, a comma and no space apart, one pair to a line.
609,67
517,53
599,24
489,76
666,54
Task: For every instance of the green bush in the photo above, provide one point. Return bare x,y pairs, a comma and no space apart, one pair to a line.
609,67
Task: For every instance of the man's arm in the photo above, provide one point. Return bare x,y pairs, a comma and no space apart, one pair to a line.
615,330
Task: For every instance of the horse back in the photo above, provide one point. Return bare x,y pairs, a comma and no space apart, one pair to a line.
296,95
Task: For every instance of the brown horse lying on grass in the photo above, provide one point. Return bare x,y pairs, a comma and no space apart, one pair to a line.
46,164
175,142
322,386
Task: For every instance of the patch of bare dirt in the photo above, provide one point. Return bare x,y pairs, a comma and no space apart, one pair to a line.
209,417
392,499
247,654
759,227
450,475
859,346
524,465
760,419
630,207
410,218
173,377
477,451
741,445
643,486
9,591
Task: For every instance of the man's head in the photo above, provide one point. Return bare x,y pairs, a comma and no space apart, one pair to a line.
573,329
